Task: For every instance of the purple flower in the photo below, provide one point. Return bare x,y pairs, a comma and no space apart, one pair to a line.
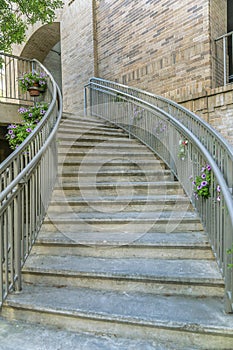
29,130
208,167
203,169
42,111
204,183
30,115
10,132
218,188
218,199
199,187
22,110
203,176
194,183
12,136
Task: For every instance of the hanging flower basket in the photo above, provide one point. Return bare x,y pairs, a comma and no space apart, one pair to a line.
33,82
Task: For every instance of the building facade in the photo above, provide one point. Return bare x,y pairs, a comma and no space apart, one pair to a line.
166,47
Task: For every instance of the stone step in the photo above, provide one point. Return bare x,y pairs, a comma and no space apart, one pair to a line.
144,275
137,203
84,125
128,222
105,152
102,165
115,190
116,175
188,245
182,319
19,335
86,131
107,159
87,120
90,144
94,138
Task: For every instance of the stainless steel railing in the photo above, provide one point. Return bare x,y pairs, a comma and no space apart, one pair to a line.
161,125
27,177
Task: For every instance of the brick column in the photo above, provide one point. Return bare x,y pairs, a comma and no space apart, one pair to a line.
77,51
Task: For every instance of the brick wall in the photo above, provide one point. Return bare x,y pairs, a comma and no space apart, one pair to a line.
161,46
77,51
215,107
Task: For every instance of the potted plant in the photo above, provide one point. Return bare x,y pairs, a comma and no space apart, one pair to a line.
33,82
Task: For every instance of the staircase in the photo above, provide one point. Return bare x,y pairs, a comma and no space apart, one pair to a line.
122,256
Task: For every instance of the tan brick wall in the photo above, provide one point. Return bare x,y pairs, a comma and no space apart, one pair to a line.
215,107
77,51
161,46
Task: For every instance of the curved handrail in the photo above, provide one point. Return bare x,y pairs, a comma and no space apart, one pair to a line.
141,117
27,178
201,129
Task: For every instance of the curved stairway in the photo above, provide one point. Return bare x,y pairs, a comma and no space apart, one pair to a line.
121,252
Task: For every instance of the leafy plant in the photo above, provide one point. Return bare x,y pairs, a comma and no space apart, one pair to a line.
230,251
30,118
35,113
18,133
201,184
29,79
17,15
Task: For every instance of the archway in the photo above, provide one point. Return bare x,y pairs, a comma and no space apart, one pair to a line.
44,45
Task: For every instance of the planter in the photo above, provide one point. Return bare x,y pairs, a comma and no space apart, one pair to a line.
35,90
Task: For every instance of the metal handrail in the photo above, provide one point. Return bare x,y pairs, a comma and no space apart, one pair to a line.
27,178
141,114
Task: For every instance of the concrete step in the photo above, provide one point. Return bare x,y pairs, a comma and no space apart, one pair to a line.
19,335
185,245
116,175
182,319
87,131
137,203
132,222
95,165
145,275
93,138
84,125
115,190
124,145
107,159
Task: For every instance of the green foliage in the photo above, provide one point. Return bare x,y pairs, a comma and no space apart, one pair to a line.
31,117
201,184
230,251
17,15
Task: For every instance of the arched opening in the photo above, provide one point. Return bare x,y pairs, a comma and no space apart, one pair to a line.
44,45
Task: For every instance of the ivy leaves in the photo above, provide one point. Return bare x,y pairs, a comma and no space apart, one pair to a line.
17,15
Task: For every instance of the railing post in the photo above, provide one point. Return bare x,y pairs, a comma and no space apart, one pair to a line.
17,240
